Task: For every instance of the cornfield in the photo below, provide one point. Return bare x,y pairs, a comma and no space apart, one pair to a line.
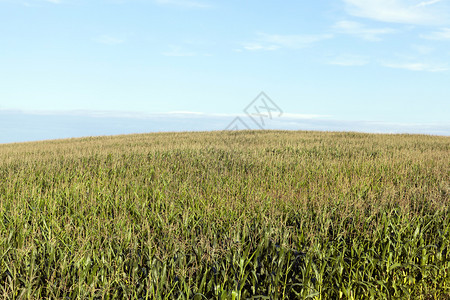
226,215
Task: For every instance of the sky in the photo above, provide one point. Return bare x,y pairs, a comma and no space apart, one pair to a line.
73,68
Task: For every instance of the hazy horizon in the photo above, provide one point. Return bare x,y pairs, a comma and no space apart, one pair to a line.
23,126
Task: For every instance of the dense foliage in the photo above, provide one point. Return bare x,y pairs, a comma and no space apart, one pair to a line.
226,215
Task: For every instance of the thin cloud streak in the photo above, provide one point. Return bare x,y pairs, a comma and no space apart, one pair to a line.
349,61
270,42
417,66
109,40
184,3
177,51
427,3
399,11
142,115
361,31
443,34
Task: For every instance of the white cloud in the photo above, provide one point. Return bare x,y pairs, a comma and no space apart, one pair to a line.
271,42
360,30
418,66
184,3
349,61
443,34
54,1
108,40
400,11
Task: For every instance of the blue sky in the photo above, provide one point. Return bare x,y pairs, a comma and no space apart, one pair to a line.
382,63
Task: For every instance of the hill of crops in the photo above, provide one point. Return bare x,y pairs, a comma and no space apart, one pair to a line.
226,215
